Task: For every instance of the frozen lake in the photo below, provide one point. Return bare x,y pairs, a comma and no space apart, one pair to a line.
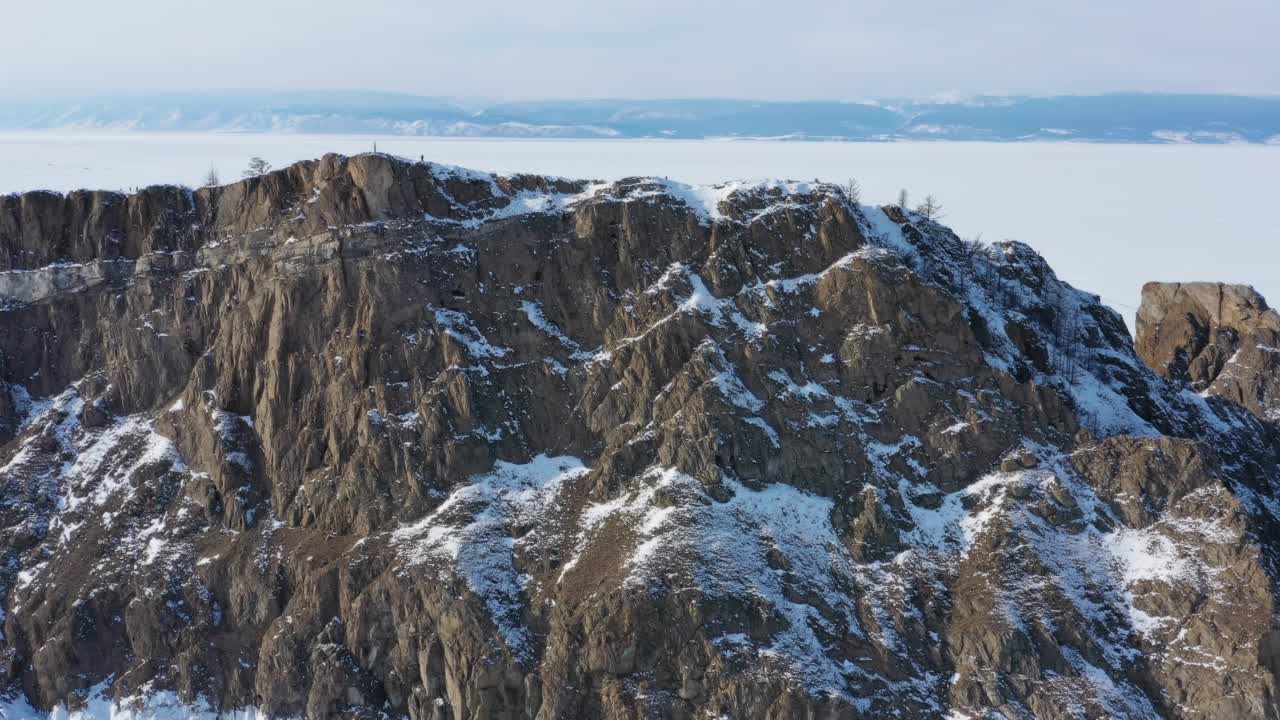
1107,217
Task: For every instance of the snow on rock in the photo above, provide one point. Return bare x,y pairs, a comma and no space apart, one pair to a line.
733,390
724,550
701,300
459,326
1090,572
472,533
504,205
151,704
533,311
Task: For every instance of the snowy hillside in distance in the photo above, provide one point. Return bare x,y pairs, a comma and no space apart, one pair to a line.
1108,217
1117,117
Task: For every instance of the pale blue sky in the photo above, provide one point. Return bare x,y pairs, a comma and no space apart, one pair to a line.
797,49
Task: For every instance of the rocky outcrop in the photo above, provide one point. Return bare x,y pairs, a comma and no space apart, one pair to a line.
1222,339
371,438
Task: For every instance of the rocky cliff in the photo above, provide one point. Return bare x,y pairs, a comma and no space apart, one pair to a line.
370,438
1222,339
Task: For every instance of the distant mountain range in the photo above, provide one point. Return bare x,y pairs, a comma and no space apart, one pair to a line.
1118,117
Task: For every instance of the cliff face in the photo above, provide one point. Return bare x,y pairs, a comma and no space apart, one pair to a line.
366,438
1222,339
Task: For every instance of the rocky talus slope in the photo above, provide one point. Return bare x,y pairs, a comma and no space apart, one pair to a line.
367,438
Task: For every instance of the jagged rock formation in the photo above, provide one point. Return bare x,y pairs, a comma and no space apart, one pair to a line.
369,438
1222,339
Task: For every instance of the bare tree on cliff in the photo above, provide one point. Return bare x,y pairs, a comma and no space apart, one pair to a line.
257,166
211,179
903,199
853,191
930,208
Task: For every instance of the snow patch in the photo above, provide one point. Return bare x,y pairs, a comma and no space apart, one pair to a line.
471,532
724,549
460,327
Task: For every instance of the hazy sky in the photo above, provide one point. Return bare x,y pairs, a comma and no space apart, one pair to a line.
790,49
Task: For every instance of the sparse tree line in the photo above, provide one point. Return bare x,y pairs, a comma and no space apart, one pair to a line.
929,208
257,167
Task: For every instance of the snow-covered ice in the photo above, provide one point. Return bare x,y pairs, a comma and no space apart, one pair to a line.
1106,217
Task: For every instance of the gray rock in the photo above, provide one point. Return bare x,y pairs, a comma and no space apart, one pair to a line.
1222,339
370,438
